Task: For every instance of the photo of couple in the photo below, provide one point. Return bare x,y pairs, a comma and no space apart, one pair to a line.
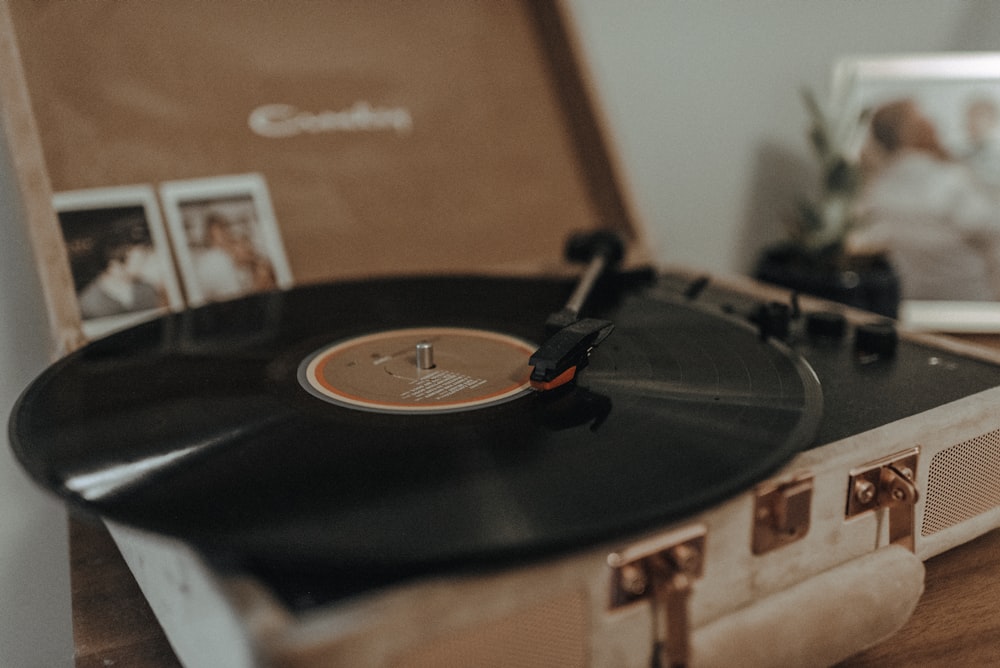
223,243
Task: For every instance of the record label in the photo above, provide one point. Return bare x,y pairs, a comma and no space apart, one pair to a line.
420,370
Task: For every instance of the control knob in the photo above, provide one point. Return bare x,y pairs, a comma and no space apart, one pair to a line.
876,339
826,325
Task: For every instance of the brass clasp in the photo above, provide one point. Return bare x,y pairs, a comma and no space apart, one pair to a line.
888,483
663,572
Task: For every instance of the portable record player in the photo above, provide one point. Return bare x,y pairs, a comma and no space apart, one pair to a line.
443,447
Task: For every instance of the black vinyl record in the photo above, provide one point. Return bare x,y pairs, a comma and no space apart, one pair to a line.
200,425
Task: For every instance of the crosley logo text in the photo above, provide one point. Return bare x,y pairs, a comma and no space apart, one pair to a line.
285,120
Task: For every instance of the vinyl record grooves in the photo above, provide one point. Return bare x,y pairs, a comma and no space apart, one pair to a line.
198,425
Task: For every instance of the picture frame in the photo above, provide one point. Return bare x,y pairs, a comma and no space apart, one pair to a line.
119,255
225,237
928,148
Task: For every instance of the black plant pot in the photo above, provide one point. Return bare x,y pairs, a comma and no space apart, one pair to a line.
870,283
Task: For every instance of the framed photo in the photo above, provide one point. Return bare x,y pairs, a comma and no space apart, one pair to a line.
225,236
119,256
929,156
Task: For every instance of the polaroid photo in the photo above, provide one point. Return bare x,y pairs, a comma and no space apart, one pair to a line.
929,152
226,238
119,256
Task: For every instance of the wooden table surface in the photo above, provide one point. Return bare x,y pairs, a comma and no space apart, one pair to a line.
957,622
112,623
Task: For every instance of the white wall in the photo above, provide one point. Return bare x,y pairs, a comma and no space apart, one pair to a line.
35,622
703,96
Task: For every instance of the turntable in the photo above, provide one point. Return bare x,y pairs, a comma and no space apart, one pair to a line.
446,444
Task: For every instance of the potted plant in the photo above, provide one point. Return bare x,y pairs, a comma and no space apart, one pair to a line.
813,259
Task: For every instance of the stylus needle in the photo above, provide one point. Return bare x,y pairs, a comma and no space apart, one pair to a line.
571,339
566,352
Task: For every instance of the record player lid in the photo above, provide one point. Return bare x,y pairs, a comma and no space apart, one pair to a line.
395,139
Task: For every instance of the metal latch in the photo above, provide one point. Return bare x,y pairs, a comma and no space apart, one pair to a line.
662,571
782,512
888,483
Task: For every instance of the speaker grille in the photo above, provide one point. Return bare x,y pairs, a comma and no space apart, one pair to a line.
963,481
553,634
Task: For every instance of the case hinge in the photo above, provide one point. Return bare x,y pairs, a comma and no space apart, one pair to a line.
663,572
782,513
888,483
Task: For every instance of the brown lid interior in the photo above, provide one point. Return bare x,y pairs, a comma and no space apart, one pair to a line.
453,135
